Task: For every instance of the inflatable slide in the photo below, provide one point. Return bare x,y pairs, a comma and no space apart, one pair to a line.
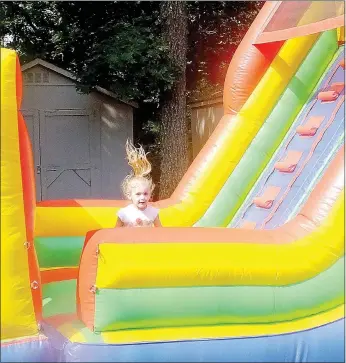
249,266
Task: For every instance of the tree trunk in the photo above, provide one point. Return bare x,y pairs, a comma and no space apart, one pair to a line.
174,130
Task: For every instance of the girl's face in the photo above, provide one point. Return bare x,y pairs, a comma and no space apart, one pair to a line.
140,194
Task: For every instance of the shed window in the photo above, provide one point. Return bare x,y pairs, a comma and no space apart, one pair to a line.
38,77
29,77
45,77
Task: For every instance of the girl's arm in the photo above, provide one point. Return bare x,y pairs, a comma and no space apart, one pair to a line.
119,223
157,222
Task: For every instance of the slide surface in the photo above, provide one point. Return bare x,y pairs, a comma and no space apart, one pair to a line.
302,157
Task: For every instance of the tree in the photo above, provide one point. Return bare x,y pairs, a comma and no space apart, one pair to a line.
174,130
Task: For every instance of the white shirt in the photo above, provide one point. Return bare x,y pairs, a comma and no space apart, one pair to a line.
133,217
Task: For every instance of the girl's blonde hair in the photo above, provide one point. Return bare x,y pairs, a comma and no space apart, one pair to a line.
141,168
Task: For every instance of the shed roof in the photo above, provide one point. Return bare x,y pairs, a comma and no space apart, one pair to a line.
69,75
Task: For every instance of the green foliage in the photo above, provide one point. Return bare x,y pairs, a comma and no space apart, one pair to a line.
216,29
118,45
27,27
132,62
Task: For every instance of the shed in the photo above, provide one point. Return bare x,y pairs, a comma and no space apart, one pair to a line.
78,140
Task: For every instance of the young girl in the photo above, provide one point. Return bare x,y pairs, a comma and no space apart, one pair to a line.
138,188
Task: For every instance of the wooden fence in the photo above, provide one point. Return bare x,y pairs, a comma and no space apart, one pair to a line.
204,116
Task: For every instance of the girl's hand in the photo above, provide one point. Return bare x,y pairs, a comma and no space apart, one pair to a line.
157,222
119,223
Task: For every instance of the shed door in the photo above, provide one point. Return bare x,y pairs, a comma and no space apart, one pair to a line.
69,154
32,120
